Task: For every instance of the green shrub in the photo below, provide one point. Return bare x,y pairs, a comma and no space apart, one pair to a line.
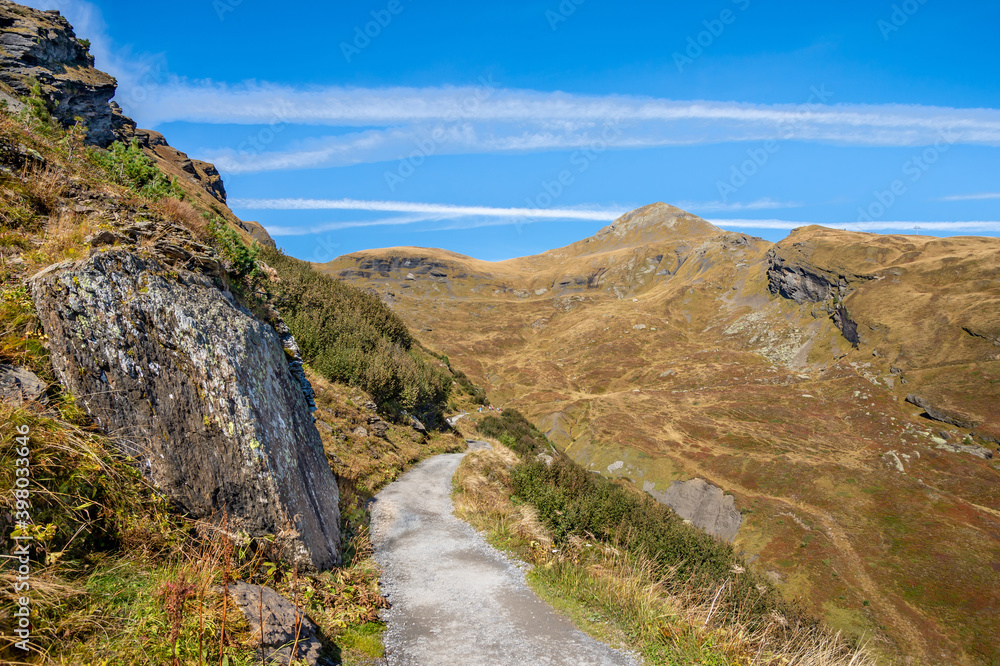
573,501
240,258
515,432
349,335
37,104
127,165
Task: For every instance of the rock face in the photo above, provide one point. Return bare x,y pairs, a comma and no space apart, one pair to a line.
203,173
942,415
197,390
790,275
19,385
705,505
279,625
42,46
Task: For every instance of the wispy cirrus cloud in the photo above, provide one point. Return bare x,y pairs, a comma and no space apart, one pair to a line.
466,217
393,122
437,210
990,226
984,196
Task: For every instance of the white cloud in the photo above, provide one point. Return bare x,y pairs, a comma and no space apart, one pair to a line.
323,227
468,217
487,118
881,225
432,210
985,196
441,120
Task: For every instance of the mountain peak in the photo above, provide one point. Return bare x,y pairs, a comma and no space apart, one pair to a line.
649,224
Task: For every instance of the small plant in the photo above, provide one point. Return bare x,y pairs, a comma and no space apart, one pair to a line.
173,595
37,103
241,259
127,165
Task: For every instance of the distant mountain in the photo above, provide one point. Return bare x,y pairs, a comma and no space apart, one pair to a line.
843,387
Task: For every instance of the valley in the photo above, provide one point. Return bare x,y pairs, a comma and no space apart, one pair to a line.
664,349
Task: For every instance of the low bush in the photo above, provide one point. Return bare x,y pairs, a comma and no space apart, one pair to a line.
126,164
515,432
349,335
573,502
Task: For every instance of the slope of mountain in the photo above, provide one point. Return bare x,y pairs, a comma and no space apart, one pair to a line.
166,454
843,387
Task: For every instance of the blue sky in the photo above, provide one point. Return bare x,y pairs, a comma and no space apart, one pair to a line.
504,129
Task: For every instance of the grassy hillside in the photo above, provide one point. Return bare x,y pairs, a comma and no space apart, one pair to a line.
658,349
118,576
626,568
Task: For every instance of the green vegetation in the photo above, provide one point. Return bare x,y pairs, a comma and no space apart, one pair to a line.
574,502
118,575
349,335
628,571
127,165
515,432
240,258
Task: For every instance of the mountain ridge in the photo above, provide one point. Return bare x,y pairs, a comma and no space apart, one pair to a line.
778,372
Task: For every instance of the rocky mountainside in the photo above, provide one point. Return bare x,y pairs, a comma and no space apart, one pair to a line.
147,325
842,389
41,47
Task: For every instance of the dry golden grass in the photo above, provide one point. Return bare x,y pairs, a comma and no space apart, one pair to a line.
185,215
623,598
667,351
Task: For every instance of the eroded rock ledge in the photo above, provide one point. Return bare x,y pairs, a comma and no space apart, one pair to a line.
197,390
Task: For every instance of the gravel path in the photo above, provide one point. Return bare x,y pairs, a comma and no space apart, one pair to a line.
455,599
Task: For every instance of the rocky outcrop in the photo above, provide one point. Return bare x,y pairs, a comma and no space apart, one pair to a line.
280,628
940,414
971,449
203,173
19,385
704,505
802,282
42,46
196,389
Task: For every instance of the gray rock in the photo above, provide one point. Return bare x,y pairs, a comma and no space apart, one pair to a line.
198,391
19,385
971,449
378,427
42,46
416,424
103,237
279,626
705,505
942,415
360,431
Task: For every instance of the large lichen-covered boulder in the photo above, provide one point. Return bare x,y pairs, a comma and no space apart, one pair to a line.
198,391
